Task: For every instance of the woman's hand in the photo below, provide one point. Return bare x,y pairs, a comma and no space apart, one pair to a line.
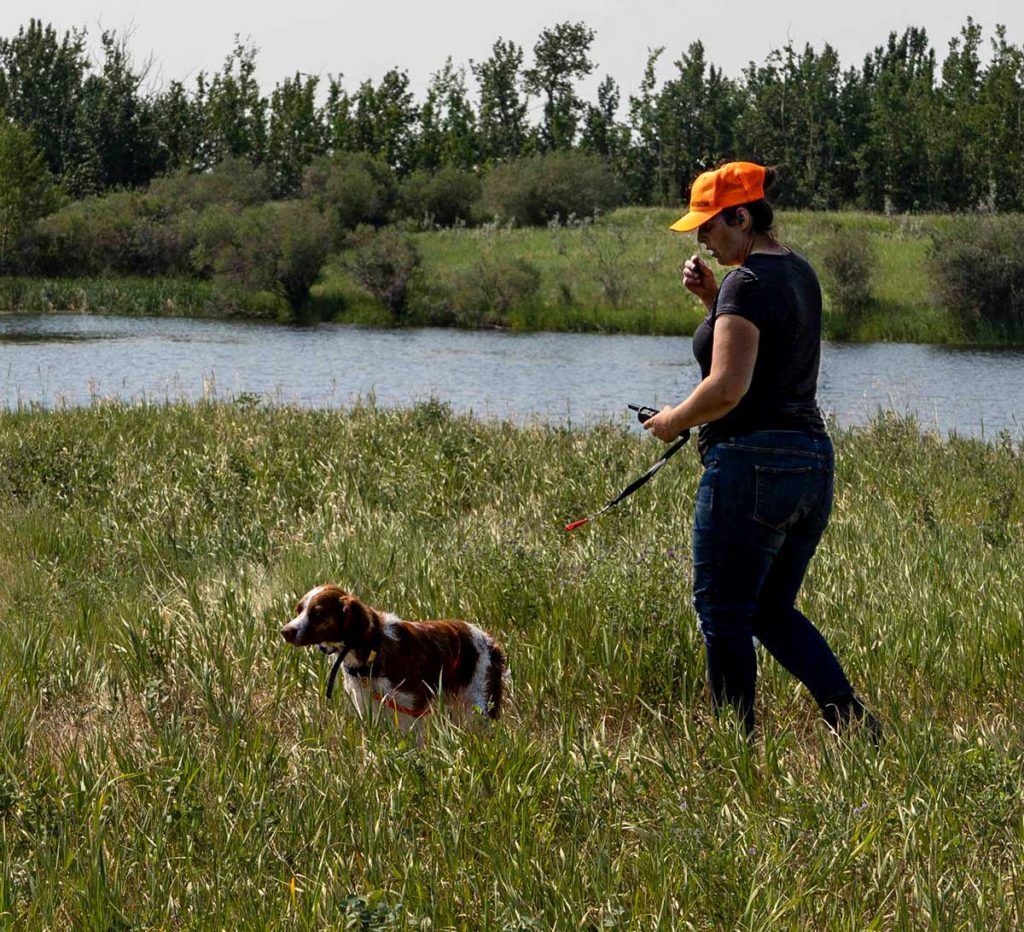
663,425
699,279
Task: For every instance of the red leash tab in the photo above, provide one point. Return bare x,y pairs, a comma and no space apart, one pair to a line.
575,524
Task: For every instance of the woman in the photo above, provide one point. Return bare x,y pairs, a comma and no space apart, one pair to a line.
766,492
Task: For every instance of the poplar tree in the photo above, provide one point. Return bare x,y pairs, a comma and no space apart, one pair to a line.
561,58
41,80
234,111
117,128
384,120
296,132
501,118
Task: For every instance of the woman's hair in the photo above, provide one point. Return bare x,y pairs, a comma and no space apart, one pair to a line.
762,217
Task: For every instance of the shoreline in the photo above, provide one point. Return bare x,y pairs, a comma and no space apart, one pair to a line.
616,275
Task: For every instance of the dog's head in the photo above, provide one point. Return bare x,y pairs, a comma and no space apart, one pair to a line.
328,616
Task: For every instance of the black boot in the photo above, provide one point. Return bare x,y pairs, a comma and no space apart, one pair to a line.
840,712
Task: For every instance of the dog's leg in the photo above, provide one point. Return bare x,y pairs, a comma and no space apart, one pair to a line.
359,695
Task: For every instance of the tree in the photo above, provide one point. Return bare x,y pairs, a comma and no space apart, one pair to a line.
339,121
41,79
561,57
384,263
695,115
792,118
1002,114
956,132
447,126
601,131
384,119
26,186
234,111
297,133
116,123
178,124
895,162
644,162
501,120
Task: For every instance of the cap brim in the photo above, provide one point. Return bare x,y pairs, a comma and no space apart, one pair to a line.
692,220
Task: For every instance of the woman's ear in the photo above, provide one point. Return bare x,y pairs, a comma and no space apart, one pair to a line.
743,220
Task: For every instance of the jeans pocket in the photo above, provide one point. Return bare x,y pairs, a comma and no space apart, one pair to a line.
705,500
783,494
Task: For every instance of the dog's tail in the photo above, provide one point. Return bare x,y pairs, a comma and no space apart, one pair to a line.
497,673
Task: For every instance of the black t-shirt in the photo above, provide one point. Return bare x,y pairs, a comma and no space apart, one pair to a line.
780,295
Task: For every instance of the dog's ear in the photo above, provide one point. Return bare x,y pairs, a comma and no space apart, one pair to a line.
359,621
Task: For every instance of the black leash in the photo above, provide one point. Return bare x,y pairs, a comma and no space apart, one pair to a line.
633,486
366,670
333,675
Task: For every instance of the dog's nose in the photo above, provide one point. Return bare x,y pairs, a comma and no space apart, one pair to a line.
289,633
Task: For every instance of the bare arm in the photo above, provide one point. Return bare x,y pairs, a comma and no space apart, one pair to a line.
733,354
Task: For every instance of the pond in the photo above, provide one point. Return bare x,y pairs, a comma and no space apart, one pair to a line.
72,359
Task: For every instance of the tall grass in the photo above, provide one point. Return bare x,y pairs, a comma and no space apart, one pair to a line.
166,761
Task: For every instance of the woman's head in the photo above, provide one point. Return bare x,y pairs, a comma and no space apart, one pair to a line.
728,209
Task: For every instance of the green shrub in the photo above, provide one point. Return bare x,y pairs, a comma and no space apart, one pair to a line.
234,181
124,233
383,262
350,188
848,266
554,186
495,285
442,198
280,247
978,266
607,248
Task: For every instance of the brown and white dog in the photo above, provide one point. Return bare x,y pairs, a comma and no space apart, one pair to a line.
405,666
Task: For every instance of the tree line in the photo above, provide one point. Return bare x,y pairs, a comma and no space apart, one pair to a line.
896,132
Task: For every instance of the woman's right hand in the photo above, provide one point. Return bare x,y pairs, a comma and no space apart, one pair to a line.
699,279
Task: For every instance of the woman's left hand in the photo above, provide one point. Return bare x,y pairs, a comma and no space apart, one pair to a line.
663,425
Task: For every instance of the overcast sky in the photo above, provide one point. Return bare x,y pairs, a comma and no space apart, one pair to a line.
363,38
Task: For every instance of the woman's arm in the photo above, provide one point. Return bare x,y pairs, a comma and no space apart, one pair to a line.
733,354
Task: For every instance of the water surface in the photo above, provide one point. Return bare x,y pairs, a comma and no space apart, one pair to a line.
73,359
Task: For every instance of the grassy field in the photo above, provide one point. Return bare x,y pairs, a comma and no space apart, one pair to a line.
618,275
621,275
166,761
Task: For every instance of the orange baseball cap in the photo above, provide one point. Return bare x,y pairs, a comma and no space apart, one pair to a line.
734,183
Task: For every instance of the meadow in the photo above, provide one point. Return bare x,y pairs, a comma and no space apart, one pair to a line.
167,762
618,274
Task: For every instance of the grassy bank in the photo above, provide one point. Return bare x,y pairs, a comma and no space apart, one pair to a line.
620,275
165,761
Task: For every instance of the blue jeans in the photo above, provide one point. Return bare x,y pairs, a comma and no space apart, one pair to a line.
762,505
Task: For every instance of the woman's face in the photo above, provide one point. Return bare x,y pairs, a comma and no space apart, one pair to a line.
726,243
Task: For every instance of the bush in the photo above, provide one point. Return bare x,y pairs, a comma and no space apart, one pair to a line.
607,248
555,186
234,181
383,262
443,198
279,247
848,266
495,285
125,233
978,265
350,188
